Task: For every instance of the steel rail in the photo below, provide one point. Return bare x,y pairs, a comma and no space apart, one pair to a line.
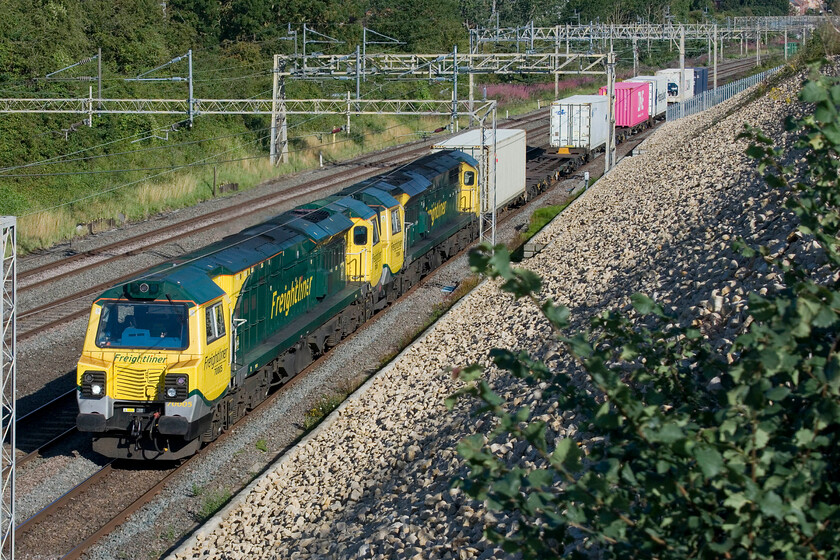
47,408
62,500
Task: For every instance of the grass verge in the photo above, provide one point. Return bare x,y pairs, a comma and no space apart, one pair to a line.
539,219
133,198
211,501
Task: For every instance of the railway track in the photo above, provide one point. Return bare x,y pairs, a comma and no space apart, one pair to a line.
38,319
732,69
67,526
46,426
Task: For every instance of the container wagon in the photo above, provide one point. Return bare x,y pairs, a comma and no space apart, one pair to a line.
632,103
578,124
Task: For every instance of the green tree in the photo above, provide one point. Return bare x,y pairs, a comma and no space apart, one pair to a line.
692,454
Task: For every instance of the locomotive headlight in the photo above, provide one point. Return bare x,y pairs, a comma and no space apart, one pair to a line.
176,387
93,384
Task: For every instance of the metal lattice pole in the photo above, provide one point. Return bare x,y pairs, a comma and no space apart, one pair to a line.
487,178
279,130
495,160
609,156
8,354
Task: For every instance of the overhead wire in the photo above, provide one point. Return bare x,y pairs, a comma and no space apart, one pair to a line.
104,144
139,150
59,159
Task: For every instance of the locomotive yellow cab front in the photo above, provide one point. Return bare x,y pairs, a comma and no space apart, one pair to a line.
149,370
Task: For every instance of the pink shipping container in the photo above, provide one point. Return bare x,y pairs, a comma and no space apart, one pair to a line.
631,103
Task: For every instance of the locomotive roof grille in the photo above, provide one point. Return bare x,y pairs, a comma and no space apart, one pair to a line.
309,215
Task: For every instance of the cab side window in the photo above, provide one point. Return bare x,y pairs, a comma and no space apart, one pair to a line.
453,176
469,178
220,320
360,235
214,320
395,221
375,232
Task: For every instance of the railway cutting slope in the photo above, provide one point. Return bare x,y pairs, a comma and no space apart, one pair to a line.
374,480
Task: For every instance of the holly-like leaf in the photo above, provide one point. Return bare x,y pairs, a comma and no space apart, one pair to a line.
558,315
709,460
642,303
771,504
813,92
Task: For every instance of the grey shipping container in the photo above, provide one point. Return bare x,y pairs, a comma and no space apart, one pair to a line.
677,92
509,171
579,122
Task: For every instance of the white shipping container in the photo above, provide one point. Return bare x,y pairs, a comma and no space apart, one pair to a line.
658,93
687,89
579,121
510,160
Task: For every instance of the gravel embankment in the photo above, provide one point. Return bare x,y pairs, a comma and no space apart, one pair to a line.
376,481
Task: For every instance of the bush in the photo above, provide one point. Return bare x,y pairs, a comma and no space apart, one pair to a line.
696,453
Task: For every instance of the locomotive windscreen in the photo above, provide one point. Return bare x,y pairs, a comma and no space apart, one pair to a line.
159,326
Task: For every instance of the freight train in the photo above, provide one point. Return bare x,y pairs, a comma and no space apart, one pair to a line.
177,355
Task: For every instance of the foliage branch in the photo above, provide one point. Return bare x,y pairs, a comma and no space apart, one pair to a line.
681,451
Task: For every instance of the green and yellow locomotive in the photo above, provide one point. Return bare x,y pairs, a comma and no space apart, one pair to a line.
176,356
